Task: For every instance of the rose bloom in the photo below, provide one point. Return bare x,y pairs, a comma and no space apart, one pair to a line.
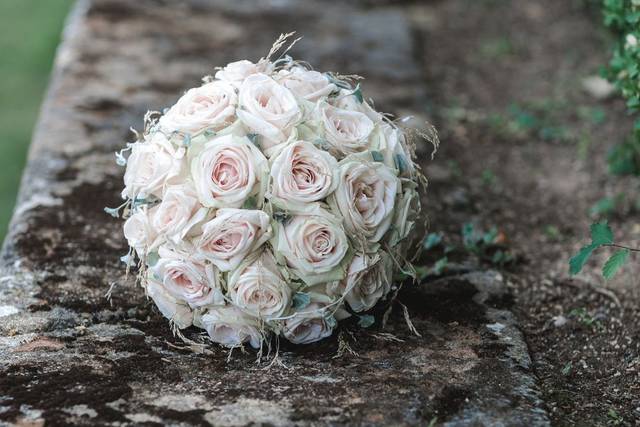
236,72
369,279
211,106
365,197
152,165
301,174
314,246
258,288
308,84
228,171
311,323
269,110
346,100
189,279
138,231
346,131
229,237
406,211
231,327
177,312
391,142
177,214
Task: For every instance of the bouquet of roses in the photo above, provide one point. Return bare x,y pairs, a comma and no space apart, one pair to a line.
273,199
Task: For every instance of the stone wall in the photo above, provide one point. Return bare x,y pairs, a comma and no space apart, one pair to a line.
68,356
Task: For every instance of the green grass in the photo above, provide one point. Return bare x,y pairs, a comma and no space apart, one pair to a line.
29,33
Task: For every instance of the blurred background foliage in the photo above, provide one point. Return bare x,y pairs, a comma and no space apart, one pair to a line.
29,33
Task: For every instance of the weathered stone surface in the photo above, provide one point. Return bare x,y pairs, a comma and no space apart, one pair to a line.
69,357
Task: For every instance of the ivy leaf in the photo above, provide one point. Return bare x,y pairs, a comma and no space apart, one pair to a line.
114,212
579,260
601,234
301,300
152,258
250,203
377,156
614,263
366,320
358,94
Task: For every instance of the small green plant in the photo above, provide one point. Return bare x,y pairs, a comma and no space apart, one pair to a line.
602,237
615,419
623,17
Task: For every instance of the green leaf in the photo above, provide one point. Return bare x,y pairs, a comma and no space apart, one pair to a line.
578,261
152,259
603,206
358,94
614,263
301,300
601,234
440,265
250,203
432,240
366,320
377,156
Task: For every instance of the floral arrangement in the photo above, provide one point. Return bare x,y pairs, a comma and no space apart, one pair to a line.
273,200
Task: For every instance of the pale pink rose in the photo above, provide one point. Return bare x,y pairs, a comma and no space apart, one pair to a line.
269,110
152,165
228,171
346,131
177,214
366,197
177,312
211,106
312,323
308,84
231,327
369,279
229,237
189,280
138,231
314,246
301,174
236,72
346,100
258,287
392,144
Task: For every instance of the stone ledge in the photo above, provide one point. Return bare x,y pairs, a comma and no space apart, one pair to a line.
68,357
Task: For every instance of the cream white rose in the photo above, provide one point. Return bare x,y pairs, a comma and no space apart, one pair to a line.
391,142
314,246
269,110
231,327
152,165
346,100
369,279
308,84
407,209
177,312
176,215
236,72
346,131
138,231
258,287
302,174
190,280
229,237
211,106
228,171
313,323
366,197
